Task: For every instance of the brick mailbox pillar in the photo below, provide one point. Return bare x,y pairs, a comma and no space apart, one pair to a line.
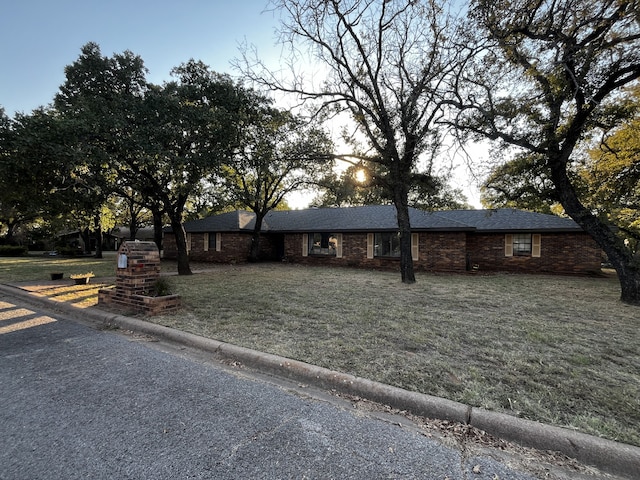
137,271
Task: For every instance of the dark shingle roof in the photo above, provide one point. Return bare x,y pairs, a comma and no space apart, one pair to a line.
240,220
383,218
367,218
502,219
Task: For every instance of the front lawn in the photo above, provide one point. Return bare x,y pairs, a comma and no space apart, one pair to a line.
560,350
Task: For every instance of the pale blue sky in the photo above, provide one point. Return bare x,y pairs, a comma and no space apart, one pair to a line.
38,38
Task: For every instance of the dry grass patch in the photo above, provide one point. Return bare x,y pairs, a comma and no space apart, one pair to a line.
561,350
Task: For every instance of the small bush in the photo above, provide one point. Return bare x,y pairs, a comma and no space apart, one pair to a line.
162,287
38,246
13,251
69,251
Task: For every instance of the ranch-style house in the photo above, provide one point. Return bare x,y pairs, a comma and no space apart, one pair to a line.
441,241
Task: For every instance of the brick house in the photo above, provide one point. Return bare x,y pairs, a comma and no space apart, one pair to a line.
442,241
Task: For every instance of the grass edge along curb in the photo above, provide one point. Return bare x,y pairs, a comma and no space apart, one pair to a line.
609,456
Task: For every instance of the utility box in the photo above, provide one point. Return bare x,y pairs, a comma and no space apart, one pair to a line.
137,271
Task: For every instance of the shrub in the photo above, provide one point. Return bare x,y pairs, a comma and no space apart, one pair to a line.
162,287
69,251
13,251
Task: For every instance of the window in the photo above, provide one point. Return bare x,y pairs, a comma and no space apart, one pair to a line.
522,244
215,241
323,244
387,244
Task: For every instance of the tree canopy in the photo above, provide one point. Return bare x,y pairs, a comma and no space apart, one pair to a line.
277,153
611,176
111,134
545,78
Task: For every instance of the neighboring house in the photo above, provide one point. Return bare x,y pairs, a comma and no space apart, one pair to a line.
75,240
442,241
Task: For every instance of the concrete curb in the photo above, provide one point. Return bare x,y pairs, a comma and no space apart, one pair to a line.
609,456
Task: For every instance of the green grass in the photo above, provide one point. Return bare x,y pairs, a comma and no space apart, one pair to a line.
561,350
40,266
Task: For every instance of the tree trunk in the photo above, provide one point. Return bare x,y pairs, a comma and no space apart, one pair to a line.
86,239
619,255
628,272
181,244
9,237
157,228
254,251
98,236
401,202
133,224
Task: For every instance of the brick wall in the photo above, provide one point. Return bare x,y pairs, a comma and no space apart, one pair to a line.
573,253
444,252
567,253
234,247
142,269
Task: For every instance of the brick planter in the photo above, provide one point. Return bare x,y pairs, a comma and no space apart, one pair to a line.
148,305
137,271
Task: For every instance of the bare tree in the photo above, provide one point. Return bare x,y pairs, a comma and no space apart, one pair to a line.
382,63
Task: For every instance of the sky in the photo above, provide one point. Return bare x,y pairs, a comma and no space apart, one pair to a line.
39,38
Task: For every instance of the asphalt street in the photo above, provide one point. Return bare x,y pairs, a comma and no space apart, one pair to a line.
78,402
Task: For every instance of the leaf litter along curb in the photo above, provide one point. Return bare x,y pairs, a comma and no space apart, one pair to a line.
560,350
472,441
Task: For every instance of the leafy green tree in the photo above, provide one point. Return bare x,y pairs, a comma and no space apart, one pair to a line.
520,183
544,78
35,169
98,101
612,179
159,141
382,65
185,130
354,186
7,208
277,153
129,209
